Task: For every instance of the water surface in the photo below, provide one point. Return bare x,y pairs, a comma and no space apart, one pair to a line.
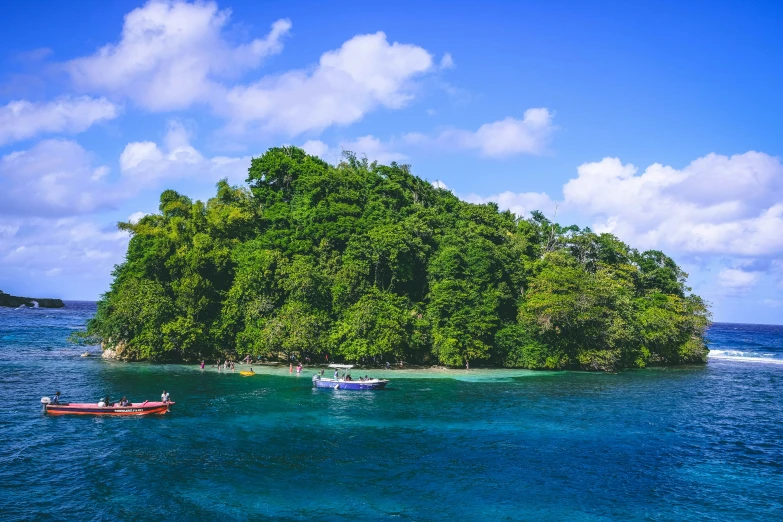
696,443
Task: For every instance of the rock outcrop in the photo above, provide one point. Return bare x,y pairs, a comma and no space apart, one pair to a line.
113,351
14,301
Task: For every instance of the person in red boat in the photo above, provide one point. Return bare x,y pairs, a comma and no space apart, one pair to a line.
164,397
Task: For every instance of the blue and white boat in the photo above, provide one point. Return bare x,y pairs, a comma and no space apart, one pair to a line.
342,380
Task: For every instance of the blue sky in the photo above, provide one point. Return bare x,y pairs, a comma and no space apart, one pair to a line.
658,122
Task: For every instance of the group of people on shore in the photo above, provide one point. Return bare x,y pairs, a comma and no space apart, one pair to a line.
225,365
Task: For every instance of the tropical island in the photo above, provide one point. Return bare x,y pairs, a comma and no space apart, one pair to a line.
360,261
16,301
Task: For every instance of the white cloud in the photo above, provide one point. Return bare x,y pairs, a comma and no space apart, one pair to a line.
506,137
81,254
54,178
447,62
135,217
438,184
173,54
717,204
365,73
100,173
501,138
145,163
368,146
316,148
521,204
737,280
373,149
21,119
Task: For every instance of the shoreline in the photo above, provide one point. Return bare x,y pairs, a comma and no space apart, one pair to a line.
427,372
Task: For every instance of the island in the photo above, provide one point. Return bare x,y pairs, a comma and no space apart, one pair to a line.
15,301
363,262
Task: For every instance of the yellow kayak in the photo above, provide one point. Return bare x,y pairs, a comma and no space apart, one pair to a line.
247,374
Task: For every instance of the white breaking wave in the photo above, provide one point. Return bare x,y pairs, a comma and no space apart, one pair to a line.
736,355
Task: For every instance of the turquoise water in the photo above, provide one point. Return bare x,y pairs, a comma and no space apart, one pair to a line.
696,443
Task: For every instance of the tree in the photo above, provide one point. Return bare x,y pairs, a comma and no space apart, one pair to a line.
363,259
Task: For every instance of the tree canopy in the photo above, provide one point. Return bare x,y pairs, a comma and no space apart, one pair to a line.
360,260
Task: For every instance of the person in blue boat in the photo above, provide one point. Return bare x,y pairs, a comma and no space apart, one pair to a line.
56,398
336,374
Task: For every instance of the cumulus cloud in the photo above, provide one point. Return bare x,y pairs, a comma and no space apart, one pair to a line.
373,149
135,217
53,178
365,73
497,139
145,163
172,54
368,147
736,280
447,62
316,148
717,204
80,253
520,203
22,119
506,137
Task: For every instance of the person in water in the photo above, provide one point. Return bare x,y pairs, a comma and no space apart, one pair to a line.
56,398
164,397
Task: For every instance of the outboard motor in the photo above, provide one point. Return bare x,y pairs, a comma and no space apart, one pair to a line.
45,401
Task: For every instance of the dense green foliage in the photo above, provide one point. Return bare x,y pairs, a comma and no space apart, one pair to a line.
363,260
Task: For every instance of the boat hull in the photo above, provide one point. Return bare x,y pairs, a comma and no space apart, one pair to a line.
139,408
377,384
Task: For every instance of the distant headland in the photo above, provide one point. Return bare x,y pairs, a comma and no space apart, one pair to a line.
14,301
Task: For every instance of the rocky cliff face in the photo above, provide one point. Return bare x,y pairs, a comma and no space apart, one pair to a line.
113,351
16,301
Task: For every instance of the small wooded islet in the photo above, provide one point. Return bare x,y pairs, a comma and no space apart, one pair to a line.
359,260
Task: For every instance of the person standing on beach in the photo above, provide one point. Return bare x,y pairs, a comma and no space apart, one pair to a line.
467,365
202,364
299,368
291,368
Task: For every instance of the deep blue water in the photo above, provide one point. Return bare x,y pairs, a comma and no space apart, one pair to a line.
695,443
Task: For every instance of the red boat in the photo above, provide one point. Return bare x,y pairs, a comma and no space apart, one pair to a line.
136,408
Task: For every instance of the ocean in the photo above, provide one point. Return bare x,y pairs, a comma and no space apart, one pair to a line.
690,443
